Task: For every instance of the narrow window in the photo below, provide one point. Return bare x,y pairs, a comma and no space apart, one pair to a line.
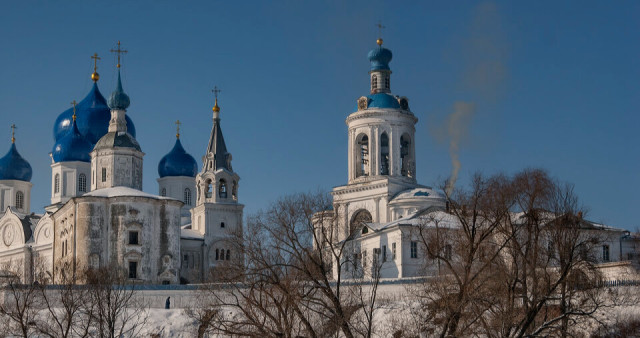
364,259
393,250
387,85
374,82
222,224
384,154
447,252
56,184
228,254
133,270
187,196
104,174
163,192
234,190
209,192
185,258
405,156
133,238
363,156
82,183
19,200
217,254
384,253
605,253
414,249
222,189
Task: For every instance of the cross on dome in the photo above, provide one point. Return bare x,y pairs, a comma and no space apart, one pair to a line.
178,123
380,28
73,103
216,109
118,52
13,133
95,76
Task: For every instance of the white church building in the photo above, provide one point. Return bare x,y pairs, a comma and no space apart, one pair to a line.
99,214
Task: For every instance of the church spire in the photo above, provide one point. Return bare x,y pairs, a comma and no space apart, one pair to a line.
217,155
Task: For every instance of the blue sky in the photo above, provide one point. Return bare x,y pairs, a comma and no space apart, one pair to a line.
554,85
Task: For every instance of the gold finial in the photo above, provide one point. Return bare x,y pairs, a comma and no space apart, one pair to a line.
118,51
380,27
215,92
95,76
13,133
73,103
178,128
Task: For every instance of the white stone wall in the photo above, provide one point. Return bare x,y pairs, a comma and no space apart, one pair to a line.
123,167
68,174
175,187
8,191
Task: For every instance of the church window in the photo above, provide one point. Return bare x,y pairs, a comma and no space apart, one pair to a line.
163,192
104,174
222,225
186,258
374,82
405,156
217,254
133,270
56,184
19,200
362,154
228,254
234,190
414,249
605,253
384,253
187,196
359,220
222,189
393,251
387,84
82,183
384,154
133,238
209,192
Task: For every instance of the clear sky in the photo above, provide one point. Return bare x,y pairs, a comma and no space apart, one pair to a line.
552,84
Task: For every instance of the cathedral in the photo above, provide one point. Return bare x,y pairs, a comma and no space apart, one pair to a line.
99,214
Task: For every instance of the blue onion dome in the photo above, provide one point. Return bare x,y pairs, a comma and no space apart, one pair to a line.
177,163
14,167
72,147
380,57
118,99
383,100
93,115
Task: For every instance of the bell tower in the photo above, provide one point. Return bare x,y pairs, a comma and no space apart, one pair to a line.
217,214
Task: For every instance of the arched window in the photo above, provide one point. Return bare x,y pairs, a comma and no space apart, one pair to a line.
234,190
405,156
359,219
82,183
374,82
19,200
209,191
362,142
222,189
163,192
228,254
56,184
104,174
187,196
384,154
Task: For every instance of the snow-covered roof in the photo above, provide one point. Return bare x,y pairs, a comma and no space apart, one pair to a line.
188,233
422,192
124,191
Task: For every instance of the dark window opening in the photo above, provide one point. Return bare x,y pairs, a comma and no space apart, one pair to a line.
133,270
222,225
414,249
82,183
104,174
222,189
384,154
133,238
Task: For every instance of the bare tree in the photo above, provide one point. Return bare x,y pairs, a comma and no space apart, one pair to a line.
114,308
289,286
20,304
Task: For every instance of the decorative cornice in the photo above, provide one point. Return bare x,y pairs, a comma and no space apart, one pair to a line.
381,112
359,188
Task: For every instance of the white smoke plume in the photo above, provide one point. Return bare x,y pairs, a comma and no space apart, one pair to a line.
457,128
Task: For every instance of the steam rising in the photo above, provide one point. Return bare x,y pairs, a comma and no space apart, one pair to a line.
457,128
485,71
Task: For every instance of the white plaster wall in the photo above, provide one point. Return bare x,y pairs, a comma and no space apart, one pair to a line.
8,190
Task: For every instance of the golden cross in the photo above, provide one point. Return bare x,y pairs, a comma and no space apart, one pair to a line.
215,91
380,28
118,51
178,128
73,103
95,61
13,133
